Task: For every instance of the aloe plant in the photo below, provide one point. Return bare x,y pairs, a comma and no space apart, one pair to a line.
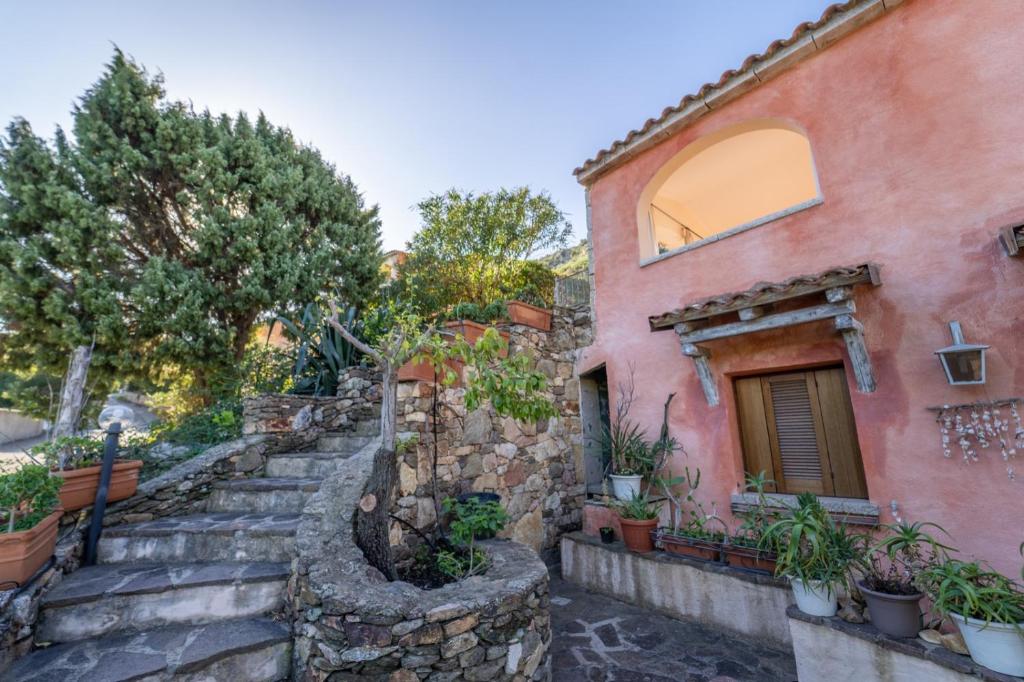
893,564
972,590
638,508
322,353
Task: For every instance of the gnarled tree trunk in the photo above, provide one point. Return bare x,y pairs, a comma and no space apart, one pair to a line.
72,396
372,520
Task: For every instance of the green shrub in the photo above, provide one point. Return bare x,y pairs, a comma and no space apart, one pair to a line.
27,495
69,452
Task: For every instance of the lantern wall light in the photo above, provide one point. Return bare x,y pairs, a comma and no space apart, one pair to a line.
964,363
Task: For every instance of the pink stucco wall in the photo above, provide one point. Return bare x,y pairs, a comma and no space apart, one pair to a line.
917,127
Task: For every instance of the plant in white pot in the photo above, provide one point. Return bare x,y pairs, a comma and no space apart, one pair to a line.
815,553
629,454
890,571
987,607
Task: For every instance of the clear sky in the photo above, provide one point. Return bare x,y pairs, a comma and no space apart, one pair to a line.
408,98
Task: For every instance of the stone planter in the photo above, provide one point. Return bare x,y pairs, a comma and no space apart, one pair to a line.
749,558
897,615
22,553
693,548
530,315
80,485
999,646
637,534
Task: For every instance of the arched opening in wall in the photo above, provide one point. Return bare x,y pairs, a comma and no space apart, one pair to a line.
724,183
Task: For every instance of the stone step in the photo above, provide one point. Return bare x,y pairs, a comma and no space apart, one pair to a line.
306,464
279,495
99,600
345,442
202,537
255,650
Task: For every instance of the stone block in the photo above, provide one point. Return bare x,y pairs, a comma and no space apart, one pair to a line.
457,644
460,625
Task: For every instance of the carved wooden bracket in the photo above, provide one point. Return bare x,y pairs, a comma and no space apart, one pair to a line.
701,360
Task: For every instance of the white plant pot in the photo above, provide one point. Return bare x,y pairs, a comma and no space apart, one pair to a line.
814,598
625,487
998,646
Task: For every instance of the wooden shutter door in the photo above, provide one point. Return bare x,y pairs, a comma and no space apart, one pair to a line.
757,448
840,433
796,433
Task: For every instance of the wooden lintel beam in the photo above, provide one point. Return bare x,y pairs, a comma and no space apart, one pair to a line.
1012,238
702,363
786,319
837,294
860,361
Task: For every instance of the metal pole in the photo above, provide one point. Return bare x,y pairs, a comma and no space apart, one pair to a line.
100,507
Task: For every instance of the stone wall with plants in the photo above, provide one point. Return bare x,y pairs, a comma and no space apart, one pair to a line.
353,623
537,469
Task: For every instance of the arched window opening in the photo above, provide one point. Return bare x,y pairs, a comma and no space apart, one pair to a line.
744,176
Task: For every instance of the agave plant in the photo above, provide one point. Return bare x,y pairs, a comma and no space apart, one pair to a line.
322,353
972,590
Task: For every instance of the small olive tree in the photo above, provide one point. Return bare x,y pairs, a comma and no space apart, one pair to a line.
509,383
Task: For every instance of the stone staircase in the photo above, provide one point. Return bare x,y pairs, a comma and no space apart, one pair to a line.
189,597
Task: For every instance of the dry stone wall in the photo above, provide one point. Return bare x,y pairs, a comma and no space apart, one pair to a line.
538,469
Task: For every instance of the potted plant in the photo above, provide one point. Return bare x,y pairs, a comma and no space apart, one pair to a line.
637,518
748,548
472,320
987,607
890,571
521,312
77,460
693,537
28,500
815,553
607,535
629,455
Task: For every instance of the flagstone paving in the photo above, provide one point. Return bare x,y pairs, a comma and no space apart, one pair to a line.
600,639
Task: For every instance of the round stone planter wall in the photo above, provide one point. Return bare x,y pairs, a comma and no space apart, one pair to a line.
353,622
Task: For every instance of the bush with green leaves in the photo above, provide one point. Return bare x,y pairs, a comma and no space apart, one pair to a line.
27,496
473,520
69,452
812,546
973,590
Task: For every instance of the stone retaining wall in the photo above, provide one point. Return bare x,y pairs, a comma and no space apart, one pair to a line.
352,623
538,469
711,594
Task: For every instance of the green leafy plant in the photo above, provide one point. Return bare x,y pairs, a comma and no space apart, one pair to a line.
472,520
640,507
321,352
812,547
27,495
486,314
754,524
906,550
69,452
973,590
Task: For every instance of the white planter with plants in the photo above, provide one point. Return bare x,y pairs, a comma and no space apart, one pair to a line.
815,553
815,598
626,486
987,607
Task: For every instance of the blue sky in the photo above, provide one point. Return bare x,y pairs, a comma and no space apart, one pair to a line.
408,98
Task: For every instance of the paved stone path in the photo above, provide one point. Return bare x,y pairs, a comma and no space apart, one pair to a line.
600,639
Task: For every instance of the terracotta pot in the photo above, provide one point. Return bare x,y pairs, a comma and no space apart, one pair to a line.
530,315
22,553
472,331
694,548
898,615
424,371
749,558
80,485
637,534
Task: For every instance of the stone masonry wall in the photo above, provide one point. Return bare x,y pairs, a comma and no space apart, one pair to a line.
538,469
353,624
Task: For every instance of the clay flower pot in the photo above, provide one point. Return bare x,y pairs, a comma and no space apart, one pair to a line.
424,371
22,553
693,548
79,489
637,534
749,558
898,615
472,331
530,315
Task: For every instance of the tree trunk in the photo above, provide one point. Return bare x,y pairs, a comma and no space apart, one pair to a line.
73,395
372,521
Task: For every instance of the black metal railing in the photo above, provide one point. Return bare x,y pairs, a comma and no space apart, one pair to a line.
573,290
100,506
